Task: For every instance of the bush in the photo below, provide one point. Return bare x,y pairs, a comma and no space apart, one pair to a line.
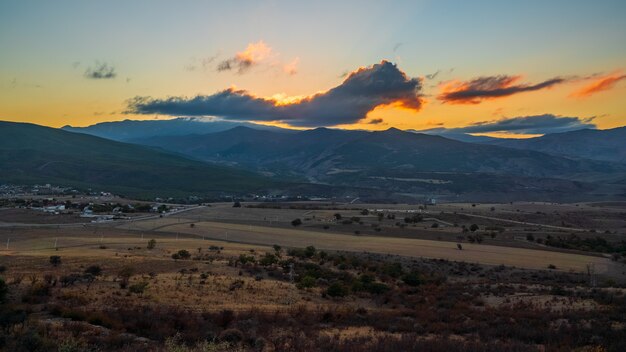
310,251
296,222
55,260
125,274
376,288
412,279
181,254
268,259
151,244
306,282
473,227
94,270
138,288
336,290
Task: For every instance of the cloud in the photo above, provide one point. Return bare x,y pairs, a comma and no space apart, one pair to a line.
599,84
361,92
100,71
375,121
244,60
433,75
200,64
292,67
537,124
490,87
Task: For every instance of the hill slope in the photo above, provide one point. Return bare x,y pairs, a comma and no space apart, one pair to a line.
606,145
133,129
35,154
393,160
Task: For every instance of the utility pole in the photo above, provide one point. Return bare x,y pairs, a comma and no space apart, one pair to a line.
8,240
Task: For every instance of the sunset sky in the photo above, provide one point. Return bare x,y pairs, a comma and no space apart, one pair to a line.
349,64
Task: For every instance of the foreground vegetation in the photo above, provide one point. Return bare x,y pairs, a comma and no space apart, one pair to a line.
217,299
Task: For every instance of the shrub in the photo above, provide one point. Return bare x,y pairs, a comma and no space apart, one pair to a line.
138,288
296,222
473,227
268,259
412,279
306,282
310,251
125,274
233,336
94,270
376,288
151,244
181,254
336,290
55,260
244,259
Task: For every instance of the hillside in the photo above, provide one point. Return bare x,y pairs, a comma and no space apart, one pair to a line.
133,129
35,154
393,160
605,145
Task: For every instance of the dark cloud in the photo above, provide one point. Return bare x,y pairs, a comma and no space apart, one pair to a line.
201,64
397,46
538,124
254,54
101,71
375,121
433,75
361,92
482,88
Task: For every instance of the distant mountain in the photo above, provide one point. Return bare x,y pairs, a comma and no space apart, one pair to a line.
605,145
133,129
457,136
395,160
36,154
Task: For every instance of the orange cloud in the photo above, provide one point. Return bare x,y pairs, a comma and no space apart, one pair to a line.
292,67
490,87
600,84
244,60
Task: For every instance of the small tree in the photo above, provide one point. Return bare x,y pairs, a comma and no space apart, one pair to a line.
310,251
473,227
237,204
152,244
125,274
296,222
55,260
277,250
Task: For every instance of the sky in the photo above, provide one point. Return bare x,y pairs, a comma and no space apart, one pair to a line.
518,69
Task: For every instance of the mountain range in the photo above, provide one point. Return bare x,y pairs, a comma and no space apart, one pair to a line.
179,156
